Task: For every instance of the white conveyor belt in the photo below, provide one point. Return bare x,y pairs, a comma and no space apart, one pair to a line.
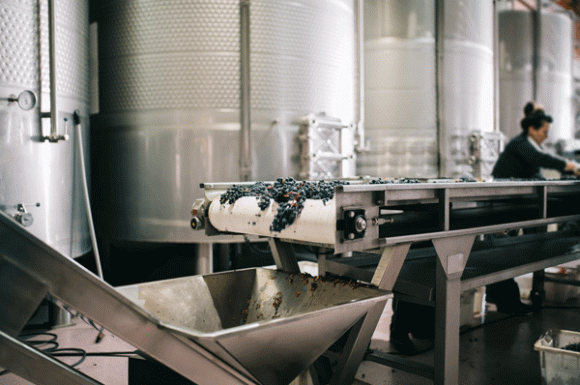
316,223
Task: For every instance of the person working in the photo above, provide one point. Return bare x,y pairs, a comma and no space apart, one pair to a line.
524,158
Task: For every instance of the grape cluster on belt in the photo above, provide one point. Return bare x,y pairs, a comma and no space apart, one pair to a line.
291,195
288,193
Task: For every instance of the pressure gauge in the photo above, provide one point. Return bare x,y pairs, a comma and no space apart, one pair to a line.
26,100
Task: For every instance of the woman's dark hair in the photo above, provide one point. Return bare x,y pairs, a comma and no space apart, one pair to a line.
534,117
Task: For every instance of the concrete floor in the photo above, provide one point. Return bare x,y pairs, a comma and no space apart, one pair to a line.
499,352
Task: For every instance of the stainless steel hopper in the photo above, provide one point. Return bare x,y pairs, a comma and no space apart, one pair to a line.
254,326
271,323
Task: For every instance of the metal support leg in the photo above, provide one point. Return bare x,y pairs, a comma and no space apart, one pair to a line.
447,314
390,265
204,261
20,295
452,254
538,293
356,346
284,256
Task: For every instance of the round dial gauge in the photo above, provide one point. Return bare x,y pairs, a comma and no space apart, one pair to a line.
27,100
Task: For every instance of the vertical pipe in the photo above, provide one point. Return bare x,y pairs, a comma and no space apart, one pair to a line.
496,64
245,132
204,261
440,81
85,184
52,66
359,65
537,48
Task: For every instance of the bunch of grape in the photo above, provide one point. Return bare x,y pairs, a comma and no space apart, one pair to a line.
572,347
237,191
288,193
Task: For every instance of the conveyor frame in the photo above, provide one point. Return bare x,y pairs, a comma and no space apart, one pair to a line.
530,203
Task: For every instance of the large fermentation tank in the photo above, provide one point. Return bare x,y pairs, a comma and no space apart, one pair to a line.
170,100
401,106
554,72
467,82
36,175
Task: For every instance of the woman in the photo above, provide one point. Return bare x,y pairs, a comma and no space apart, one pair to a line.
523,158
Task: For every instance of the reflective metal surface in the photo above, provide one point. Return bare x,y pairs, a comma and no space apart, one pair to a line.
240,327
42,176
273,323
554,77
71,284
402,101
399,77
170,100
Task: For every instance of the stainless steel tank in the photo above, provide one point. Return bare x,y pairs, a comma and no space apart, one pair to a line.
467,83
400,104
554,75
170,101
401,93
40,182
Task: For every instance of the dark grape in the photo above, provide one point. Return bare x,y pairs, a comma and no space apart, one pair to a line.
288,193
572,347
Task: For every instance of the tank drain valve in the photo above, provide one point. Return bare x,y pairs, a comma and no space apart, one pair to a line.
26,100
23,216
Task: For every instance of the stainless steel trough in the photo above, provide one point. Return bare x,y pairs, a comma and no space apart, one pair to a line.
271,323
255,326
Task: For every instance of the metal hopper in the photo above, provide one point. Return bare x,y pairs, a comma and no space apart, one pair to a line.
269,324
255,326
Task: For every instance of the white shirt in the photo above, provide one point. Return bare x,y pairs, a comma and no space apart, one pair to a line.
535,144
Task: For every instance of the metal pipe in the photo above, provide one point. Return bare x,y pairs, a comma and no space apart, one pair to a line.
52,66
359,90
245,132
77,124
440,81
536,63
496,107
204,260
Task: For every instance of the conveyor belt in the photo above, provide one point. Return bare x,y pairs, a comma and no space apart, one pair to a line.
316,223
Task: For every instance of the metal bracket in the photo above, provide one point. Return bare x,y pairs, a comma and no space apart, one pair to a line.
284,256
484,150
353,224
452,253
322,153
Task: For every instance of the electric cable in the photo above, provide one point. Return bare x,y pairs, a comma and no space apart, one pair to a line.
54,351
88,321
